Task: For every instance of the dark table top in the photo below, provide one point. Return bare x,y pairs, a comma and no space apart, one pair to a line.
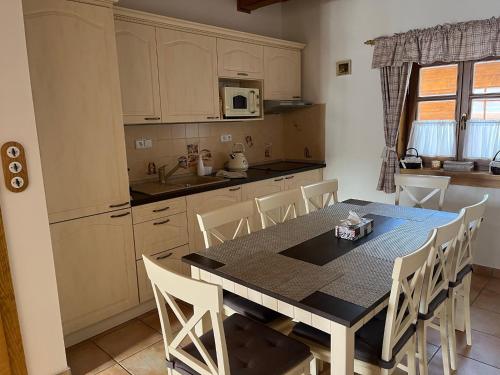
302,263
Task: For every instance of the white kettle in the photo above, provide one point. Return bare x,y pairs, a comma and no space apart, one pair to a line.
237,160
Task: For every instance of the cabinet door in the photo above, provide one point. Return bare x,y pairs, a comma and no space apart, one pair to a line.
188,76
138,66
295,181
240,59
95,268
205,202
261,189
76,94
282,74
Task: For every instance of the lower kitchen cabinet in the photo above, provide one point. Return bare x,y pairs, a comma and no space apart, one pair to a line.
295,181
171,259
95,268
260,189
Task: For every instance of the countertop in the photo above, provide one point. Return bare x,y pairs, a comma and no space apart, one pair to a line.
253,175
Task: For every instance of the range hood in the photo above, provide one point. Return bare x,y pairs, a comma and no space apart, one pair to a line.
280,106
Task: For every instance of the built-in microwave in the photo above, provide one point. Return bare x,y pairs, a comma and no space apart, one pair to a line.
240,102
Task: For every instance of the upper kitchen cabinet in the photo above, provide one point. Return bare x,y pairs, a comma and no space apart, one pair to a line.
282,73
76,95
187,65
239,59
138,66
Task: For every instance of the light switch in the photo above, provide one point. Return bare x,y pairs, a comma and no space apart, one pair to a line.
226,138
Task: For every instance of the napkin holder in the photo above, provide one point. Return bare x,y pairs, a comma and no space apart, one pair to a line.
354,228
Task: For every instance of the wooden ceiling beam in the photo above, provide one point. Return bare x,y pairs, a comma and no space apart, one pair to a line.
248,5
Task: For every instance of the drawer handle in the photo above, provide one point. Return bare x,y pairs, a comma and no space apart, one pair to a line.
289,177
152,118
120,215
164,256
119,205
243,74
212,117
162,222
297,97
161,209
278,179
235,189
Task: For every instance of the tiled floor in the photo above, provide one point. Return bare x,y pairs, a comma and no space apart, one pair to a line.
136,347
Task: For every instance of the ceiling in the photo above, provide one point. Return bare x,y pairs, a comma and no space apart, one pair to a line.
249,5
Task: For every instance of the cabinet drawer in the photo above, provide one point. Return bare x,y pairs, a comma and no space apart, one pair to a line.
169,259
152,237
157,210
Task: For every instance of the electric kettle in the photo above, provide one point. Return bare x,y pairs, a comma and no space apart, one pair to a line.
237,160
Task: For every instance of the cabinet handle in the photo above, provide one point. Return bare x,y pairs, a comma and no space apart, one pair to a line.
297,97
161,209
212,117
164,256
289,177
152,118
278,179
235,189
120,215
162,222
119,205
243,74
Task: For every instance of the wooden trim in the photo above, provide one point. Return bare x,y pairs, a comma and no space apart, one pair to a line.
475,178
8,311
102,3
198,28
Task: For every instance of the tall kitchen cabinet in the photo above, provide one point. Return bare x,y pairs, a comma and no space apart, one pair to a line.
282,73
76,94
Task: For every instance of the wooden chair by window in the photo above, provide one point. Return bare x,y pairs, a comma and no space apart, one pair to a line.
377,353
460,275
238,216
280,207
439,184
320,195
230,346
435,302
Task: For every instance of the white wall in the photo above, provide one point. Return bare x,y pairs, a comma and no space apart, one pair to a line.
264,21
25,214
335,30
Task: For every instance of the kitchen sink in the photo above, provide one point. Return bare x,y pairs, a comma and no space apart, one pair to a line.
176,184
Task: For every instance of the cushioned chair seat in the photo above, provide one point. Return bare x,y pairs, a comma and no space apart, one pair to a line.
253,349
435,303
461,275
250,309
368,343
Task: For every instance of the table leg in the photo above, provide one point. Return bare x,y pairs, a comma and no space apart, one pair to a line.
342,349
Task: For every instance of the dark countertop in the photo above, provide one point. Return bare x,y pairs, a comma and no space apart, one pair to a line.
253,175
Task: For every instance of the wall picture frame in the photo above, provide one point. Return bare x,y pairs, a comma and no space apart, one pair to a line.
343,67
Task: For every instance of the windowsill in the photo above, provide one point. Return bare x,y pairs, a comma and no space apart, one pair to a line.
474,178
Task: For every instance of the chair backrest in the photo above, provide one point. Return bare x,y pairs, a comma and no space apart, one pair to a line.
473,217
239,213
439,262
407,280
206,299
280,207
320,195
439,184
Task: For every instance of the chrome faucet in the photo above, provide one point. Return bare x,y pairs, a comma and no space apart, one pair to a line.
164,175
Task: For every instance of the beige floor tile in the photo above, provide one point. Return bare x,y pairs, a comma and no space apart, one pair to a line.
488,300
479,280
88,358
128,340
493,285
485,321
466,366
150,361
115,370
433,337
485,348
152,320
483,271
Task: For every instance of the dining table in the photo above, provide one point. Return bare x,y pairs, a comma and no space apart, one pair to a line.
300,269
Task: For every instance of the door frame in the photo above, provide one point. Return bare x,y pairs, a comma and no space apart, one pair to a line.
8,311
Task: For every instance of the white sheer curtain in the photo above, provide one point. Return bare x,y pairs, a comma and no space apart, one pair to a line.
434,138
482,139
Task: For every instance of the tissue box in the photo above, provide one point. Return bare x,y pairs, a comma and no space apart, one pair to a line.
354,232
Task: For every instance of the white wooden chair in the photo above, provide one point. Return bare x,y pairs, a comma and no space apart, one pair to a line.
320,195
439,184
397,322
280,207
222,350
460,275
435,303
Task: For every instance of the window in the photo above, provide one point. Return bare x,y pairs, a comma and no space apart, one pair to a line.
454,111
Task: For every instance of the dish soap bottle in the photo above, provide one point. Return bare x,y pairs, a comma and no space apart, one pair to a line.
200,168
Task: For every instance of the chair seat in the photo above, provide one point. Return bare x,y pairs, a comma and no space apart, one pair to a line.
250,309
368,342
253,349
461,275
433,305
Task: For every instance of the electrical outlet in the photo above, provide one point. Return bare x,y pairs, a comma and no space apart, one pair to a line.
143,143
226,138
148,143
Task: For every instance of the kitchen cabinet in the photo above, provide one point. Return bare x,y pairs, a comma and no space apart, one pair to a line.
138,67
295,181
158,210
172,260
187,65
95,268
76,96
205,202
282,73
240,59
260,189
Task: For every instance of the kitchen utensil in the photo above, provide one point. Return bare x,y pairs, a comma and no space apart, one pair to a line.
411,161
237,160
495,165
